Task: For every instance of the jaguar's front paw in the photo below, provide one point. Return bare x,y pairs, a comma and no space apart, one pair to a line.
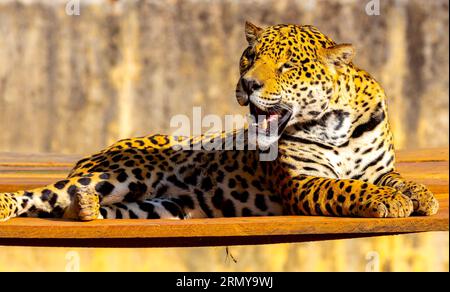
386,203
8,207
425,203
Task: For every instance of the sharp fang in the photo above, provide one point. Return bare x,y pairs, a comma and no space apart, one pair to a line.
265,124
273,117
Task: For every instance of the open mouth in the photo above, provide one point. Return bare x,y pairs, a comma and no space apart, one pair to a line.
271,121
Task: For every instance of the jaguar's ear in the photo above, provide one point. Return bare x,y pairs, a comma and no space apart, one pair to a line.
252,32
337,56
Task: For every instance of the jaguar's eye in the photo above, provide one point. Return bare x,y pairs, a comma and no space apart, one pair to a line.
250,56
286,67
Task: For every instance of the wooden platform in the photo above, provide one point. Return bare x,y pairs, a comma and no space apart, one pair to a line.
27,171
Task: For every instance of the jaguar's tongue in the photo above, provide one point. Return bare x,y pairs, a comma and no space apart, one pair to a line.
271,122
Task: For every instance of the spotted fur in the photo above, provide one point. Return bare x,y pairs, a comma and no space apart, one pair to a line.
336,155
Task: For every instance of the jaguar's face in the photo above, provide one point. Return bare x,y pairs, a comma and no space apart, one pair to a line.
288,74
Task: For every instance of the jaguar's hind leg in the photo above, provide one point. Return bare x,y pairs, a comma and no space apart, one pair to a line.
85,207
72,198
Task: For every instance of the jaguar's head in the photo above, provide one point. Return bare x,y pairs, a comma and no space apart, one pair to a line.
289,74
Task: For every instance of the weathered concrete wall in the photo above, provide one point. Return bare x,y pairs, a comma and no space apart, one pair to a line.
122,68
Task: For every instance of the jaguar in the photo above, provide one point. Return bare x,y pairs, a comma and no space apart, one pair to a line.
335,153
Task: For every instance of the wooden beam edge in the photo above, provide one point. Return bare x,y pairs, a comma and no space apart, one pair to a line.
230,227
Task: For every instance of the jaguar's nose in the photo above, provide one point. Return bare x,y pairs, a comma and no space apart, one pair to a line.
250,85
245,88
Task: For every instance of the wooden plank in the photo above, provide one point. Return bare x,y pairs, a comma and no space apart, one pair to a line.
18,173
210,232
37,159
432,154
433,174
220,227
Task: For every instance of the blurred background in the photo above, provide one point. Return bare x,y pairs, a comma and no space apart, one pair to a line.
74,83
